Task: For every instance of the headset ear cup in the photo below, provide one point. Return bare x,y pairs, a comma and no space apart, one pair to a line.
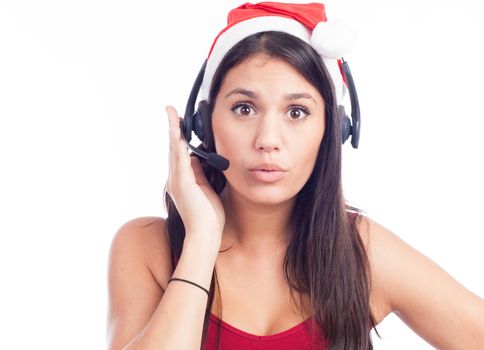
204,124
197,124
346,123
186,128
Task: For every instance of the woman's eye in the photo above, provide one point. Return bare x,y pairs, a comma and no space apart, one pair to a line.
242,109
298,113
295,112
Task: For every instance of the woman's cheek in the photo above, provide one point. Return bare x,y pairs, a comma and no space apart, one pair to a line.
230,146
308,153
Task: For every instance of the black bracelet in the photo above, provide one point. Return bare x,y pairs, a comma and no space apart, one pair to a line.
182,280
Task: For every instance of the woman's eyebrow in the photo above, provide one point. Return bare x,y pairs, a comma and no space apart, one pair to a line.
242,92
298,95
252,94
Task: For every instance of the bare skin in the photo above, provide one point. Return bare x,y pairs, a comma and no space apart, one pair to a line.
404,280
251,218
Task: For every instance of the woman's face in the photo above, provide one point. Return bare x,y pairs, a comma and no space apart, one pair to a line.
267,115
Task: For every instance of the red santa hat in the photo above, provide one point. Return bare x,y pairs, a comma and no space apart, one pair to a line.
331,39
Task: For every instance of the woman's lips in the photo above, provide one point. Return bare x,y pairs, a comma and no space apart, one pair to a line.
267,175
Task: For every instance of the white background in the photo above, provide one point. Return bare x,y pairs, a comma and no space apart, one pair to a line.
83,142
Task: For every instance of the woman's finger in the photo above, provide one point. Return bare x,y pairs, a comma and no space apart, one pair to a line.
178,149
174,121
198,171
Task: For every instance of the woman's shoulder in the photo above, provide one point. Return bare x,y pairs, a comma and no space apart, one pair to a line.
138,257
394,267
381,246
145,239
372,233
428,299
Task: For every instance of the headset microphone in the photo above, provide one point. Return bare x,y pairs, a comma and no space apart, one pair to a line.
213,159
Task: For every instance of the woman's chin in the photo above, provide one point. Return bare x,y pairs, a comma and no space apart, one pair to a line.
267,195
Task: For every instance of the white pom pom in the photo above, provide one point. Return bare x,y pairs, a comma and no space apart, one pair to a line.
332,39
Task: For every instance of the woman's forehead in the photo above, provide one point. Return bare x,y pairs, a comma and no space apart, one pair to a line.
262,74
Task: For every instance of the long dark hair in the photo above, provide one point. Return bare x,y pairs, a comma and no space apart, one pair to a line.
325,258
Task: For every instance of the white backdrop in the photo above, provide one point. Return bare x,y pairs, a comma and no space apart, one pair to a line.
83,142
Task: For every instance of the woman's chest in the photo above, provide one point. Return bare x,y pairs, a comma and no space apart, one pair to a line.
257,299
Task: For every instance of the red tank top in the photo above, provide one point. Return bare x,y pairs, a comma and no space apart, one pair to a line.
231,338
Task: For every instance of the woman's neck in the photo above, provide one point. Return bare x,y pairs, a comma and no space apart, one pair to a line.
255,227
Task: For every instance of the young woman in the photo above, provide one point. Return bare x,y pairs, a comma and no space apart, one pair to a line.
265,254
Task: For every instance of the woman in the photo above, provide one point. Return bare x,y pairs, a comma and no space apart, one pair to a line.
265,254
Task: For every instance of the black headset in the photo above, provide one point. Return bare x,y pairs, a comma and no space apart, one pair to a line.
200,123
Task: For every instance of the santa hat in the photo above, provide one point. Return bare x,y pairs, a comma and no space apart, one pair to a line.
331,39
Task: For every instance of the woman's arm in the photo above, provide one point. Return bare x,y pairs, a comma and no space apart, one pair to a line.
144,315
422,294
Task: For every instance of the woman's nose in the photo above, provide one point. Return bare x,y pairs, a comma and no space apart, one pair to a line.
268,133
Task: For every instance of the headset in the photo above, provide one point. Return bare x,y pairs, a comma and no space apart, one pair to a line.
200,121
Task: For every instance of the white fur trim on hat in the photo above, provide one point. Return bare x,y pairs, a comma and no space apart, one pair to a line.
332,39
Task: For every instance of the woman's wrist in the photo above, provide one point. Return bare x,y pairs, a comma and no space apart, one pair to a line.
203,243
197,261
